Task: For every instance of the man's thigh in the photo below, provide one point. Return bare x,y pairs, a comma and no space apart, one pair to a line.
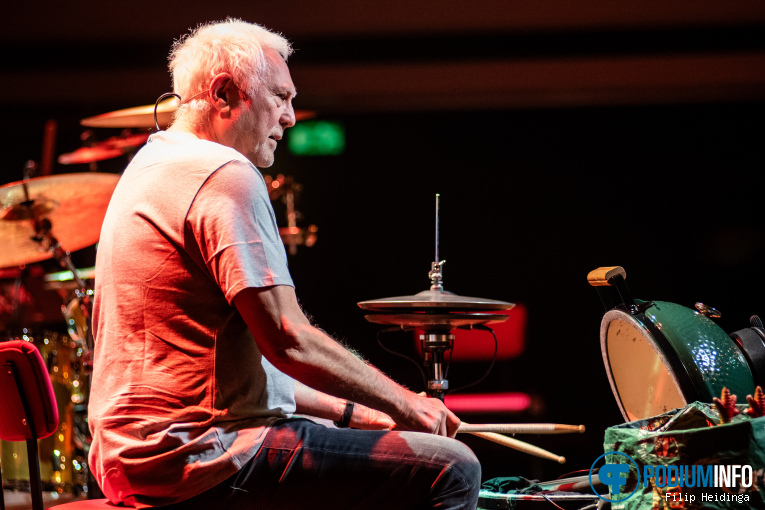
307,465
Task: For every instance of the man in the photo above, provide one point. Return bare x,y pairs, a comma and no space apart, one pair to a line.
202,352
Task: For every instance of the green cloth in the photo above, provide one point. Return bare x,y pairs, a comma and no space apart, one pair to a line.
688,436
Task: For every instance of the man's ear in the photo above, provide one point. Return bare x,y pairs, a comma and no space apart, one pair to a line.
223,92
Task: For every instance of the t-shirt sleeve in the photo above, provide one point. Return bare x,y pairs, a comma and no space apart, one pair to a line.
234,226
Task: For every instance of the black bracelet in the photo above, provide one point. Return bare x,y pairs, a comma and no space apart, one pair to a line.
346,418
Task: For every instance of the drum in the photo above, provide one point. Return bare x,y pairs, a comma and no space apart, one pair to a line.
63,459
488,500
661,356
668,356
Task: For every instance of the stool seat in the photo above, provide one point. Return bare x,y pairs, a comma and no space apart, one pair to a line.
88,504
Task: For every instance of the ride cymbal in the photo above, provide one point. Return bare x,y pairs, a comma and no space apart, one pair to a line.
75,205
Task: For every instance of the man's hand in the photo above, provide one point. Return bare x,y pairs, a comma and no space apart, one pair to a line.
424,414
366,418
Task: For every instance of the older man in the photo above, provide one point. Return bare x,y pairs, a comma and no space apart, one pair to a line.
202,352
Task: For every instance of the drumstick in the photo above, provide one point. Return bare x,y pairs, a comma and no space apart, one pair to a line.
521,428
520,446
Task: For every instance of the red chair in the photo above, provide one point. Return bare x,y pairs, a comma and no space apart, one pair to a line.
471,345
28,412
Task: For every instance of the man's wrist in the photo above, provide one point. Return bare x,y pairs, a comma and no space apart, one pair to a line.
345,419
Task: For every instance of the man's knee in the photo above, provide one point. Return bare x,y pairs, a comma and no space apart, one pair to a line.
466,462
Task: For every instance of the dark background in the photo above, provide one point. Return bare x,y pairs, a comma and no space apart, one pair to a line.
560,138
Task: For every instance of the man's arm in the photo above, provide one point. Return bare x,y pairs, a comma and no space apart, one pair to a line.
315,403
286,338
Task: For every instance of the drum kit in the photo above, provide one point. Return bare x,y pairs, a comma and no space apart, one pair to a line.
658,355
43,218
49,217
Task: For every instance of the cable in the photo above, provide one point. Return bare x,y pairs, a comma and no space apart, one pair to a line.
379,341
491,365
156,105
551,502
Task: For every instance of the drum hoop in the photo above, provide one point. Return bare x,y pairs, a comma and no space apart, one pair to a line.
669,358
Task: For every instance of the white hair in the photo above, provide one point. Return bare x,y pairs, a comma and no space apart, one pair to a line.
232,46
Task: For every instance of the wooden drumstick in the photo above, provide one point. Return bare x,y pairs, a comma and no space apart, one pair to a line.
514,443
520,446
521,428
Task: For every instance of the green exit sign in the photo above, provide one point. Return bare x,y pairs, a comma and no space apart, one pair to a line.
316,138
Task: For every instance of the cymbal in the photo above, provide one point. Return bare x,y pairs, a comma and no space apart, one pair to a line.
113,147
137,117
89,155
440,300
143,116
74,203
435,320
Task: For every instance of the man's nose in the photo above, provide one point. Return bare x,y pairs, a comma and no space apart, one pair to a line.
288,117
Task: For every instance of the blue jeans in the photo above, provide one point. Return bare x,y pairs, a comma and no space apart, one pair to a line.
305,465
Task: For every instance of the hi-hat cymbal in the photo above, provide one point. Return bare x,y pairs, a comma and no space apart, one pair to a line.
440,300
143,116
113,147
75,204
433,321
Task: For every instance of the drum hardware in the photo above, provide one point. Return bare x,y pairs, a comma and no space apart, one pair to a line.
661,356
438,312
286,189
143,116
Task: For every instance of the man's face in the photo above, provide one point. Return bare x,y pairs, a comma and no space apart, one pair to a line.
265,115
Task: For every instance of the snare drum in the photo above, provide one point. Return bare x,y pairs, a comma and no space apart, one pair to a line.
62,455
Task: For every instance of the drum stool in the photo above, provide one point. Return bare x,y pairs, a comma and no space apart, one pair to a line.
28,412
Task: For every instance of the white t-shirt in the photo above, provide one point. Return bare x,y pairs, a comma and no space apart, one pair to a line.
181,397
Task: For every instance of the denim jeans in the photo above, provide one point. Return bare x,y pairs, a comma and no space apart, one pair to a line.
306,465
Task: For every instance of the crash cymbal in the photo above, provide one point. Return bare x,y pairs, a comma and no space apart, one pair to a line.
440,300
143,116
89,155
434,321
113,147
75,205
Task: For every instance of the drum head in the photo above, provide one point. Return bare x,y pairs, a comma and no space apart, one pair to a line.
668,356
641,378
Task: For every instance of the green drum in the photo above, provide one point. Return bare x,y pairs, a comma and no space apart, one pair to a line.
661,356
667,356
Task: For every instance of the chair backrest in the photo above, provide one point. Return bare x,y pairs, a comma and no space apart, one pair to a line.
28,407
478,345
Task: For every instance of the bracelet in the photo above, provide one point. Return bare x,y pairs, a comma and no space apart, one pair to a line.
347,413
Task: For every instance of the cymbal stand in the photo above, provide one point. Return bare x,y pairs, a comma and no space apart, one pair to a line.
434,345
83,294
435,275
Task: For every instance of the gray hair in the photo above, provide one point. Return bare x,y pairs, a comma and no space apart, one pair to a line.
232,46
